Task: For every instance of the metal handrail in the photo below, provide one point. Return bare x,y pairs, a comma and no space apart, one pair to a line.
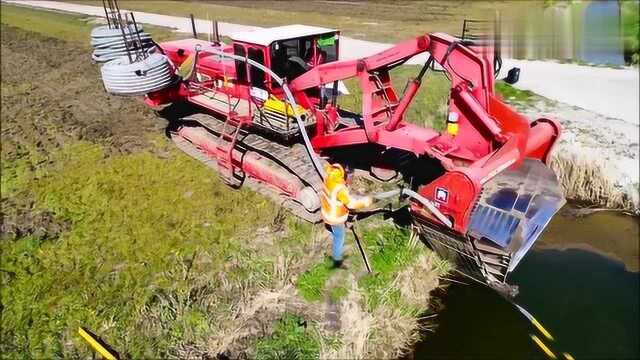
289,97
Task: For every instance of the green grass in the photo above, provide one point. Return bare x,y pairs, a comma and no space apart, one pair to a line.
64,26
512,94
429,107
389,252
137,220
52,24
377,21
630,22
292,338
312,281
14,175
338,293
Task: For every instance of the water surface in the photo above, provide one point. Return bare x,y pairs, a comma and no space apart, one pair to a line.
581,282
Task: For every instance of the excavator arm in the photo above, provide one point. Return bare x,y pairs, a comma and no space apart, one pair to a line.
346,69
470,73
483,162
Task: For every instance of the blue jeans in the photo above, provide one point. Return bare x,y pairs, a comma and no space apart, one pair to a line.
338,232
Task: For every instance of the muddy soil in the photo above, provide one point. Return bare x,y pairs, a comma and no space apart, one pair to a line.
51,95
51,92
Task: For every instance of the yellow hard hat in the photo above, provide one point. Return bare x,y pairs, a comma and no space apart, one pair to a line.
335,171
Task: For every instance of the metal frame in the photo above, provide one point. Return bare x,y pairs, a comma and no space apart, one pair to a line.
131,38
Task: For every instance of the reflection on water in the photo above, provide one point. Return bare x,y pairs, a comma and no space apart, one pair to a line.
574,282
587,31
589,302
610,233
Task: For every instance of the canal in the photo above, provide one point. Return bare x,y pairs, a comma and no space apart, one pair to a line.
581,282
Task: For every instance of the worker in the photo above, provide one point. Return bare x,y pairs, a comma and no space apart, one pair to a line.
336,202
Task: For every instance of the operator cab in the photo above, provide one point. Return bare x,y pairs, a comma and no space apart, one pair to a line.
288,50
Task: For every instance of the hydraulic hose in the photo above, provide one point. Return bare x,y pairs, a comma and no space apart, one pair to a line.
419,198
290,98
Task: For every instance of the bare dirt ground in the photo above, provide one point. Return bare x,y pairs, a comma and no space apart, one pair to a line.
76,104
42,109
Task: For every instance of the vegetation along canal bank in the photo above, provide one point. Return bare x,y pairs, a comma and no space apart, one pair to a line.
155,271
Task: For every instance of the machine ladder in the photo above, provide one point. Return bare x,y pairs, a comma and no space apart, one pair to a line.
227,140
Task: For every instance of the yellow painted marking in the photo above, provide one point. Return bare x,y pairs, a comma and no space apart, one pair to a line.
544,347
541,328
568,356
452,128
96,345
276,105
534,322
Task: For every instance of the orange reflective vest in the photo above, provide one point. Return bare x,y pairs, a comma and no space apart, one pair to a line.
336,201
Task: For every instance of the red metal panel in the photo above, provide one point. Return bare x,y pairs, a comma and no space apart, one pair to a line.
340,138
325,74
397,53
462,194
542,138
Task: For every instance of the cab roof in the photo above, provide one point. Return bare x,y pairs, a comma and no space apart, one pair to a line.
268,35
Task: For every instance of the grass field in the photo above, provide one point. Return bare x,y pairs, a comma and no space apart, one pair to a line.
377,20
106,225
630,23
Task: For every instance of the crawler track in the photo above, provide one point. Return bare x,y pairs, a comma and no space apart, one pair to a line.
294,159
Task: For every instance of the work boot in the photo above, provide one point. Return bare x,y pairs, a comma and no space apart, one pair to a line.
339,264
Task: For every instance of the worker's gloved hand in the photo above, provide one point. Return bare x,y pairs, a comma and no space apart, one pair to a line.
367,201
401,195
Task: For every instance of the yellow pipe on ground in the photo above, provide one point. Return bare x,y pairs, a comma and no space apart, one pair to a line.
96,345
534,321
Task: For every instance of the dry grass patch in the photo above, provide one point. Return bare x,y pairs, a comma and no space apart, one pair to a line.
584,179
250,318
416,281
380,314
355,327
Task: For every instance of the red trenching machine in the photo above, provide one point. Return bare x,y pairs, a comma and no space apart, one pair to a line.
265,115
